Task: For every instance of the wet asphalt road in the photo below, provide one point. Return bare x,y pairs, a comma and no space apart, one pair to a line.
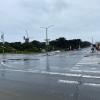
73,75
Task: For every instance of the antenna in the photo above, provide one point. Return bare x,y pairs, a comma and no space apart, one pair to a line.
26,38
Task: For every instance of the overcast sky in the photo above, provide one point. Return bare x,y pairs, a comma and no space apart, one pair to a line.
71,19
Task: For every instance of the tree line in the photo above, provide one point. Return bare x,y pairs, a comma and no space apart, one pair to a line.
37,46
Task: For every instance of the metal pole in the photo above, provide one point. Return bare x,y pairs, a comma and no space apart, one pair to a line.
79,45
92,41
47,40
3,42
92,46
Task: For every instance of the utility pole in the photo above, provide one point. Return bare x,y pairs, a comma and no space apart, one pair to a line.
47,40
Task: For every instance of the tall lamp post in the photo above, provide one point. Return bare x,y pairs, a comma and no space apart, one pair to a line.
3,41
47,40
92,46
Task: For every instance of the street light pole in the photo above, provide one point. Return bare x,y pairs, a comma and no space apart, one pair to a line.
47,40
92,46
46,36
3,42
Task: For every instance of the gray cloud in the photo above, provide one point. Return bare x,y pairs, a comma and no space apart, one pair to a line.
45,5
68,16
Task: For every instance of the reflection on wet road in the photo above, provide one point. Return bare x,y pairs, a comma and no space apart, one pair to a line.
73,75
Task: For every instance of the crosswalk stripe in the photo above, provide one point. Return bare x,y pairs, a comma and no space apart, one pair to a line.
85,71
54,73
89,61
77,82
67,81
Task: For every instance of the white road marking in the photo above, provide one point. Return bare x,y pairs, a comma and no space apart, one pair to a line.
85,71
89,76
2,63
67,81
54,73
89,61
92,84
61,74
76,82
